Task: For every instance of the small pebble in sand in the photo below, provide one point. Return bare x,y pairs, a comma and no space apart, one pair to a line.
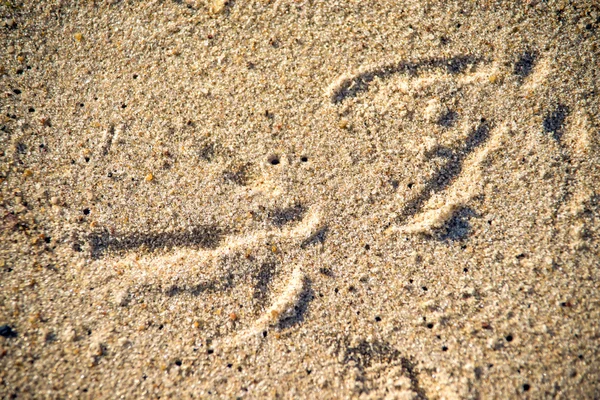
121,298
96,349
69,334
7,331
233,316
149,177
433,110
217,6
78,36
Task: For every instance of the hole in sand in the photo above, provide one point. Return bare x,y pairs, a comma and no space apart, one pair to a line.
273,160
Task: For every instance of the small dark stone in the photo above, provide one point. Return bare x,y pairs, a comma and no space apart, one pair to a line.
7,331
16,91
86,211
526,387
178,363
378,319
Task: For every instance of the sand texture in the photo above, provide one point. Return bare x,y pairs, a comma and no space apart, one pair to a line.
299,199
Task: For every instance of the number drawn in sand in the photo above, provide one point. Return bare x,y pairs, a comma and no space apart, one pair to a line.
461,151
209,262
437,93
446,162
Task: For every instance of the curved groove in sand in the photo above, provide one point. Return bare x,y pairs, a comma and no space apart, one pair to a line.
350,84
434,212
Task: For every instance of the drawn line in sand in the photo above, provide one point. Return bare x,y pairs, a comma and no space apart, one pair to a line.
460,176
156,270
452,187
349,85
307,228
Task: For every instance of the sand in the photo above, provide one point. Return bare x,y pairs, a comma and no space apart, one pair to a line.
296,199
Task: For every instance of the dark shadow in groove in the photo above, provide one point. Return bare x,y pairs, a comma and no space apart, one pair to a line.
448,119
207,237
222,284
239,175
234,271
217,285
458,227
525,64
317,237
282,216
448,172
555,120
262,279
365,354
409,368
301,308
360,83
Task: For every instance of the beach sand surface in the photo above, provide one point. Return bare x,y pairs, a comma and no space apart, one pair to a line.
299,199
